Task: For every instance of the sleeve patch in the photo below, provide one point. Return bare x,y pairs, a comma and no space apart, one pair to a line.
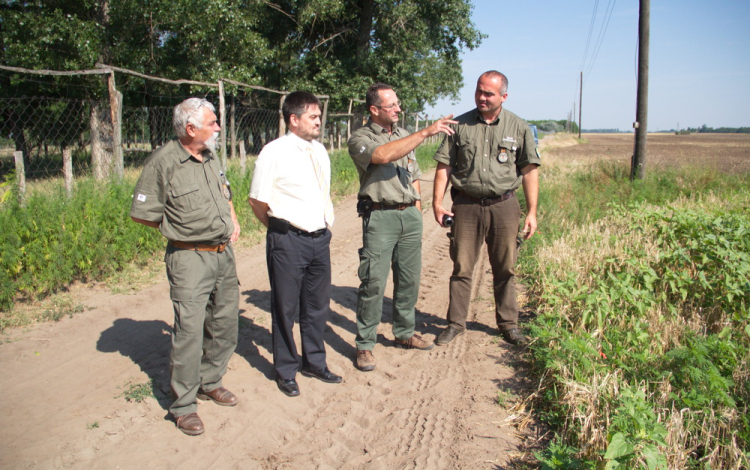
141,197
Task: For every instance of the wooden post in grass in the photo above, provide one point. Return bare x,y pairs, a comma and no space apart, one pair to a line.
638,165
20,176
68,171
243,156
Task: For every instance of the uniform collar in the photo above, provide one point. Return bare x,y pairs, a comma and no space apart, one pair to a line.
479,117
185,155
378,129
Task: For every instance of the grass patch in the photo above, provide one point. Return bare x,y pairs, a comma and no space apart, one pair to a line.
641,340
136,392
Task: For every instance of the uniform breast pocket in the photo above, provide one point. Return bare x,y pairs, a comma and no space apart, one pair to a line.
186,198
466,154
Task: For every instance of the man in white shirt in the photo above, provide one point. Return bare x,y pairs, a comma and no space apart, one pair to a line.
290,194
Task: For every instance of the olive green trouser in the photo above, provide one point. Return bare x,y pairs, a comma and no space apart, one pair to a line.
389,237
497,226
205,295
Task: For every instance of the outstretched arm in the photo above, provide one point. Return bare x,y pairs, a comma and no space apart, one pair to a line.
397,149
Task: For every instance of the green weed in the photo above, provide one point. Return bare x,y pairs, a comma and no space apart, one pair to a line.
137,392
642,336
93,425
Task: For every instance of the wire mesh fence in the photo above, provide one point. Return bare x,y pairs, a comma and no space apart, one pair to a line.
81,126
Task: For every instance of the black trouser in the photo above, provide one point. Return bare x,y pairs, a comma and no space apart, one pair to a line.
299,270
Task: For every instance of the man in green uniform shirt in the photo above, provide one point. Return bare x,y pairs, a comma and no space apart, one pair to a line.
490,155
389,203
182,191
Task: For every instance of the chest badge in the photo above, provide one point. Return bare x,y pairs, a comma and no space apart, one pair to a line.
503,157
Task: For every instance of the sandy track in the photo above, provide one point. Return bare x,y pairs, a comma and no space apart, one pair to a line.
417,410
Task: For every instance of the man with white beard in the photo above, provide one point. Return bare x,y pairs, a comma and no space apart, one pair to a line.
183,192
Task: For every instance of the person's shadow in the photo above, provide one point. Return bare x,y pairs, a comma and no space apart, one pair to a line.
147,344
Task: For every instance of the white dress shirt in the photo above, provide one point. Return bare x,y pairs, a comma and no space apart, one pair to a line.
285,179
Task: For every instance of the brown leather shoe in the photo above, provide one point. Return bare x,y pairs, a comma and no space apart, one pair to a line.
365,360
514,336
221,396
190,424
415,342
449,334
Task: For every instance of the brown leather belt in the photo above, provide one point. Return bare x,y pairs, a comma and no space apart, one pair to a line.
376,206
488,201
198,246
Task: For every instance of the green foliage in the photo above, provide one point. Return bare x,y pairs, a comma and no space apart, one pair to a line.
643,314
54,240
333,47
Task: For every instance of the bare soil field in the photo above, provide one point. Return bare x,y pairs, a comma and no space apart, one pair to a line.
455,407
728,153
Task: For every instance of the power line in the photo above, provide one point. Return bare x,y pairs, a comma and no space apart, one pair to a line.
591,30
602,33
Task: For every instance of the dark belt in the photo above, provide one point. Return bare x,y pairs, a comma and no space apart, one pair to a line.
488,201
376,206
315,234
198,246
283,226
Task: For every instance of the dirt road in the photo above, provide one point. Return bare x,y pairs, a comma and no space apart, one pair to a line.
62,383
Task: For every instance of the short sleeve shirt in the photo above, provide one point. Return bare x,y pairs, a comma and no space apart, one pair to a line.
486,159
389,183
189,198
285,177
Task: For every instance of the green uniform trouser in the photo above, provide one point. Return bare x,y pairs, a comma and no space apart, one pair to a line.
389,236
205,295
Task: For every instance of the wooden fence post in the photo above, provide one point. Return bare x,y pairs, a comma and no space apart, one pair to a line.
243,156
115,106
282,124
233,128
223,121
68,170
20,176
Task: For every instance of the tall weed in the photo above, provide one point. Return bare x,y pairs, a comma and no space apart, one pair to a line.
651,305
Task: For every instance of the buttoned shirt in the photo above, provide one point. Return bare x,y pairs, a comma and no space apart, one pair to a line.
285,179
386,183
187,197
486,159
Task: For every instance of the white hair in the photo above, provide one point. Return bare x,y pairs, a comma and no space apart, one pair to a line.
187,112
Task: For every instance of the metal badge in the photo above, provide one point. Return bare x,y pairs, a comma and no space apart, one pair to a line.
503,157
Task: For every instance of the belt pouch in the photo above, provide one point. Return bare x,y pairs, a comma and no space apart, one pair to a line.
278,225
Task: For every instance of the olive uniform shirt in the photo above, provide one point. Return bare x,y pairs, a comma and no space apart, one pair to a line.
388,183
487,158
187,197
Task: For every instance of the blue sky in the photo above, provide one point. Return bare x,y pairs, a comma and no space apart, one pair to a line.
699,61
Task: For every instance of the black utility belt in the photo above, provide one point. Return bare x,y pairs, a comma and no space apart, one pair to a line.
283,226
484,201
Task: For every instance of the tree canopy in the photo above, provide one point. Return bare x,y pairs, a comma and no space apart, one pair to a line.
333,47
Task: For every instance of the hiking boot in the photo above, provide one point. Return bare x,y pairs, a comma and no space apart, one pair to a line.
449,334
415,342
365,360
514,337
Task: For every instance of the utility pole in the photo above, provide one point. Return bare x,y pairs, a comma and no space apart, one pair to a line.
638,166
580,103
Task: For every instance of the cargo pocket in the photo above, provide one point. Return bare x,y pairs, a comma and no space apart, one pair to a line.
186,198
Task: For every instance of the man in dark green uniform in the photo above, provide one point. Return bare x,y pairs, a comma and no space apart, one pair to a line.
389,203
490,155
182,191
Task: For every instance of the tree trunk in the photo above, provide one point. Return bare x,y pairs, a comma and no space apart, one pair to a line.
367,8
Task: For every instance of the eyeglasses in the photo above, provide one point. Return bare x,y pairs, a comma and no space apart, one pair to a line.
390,106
